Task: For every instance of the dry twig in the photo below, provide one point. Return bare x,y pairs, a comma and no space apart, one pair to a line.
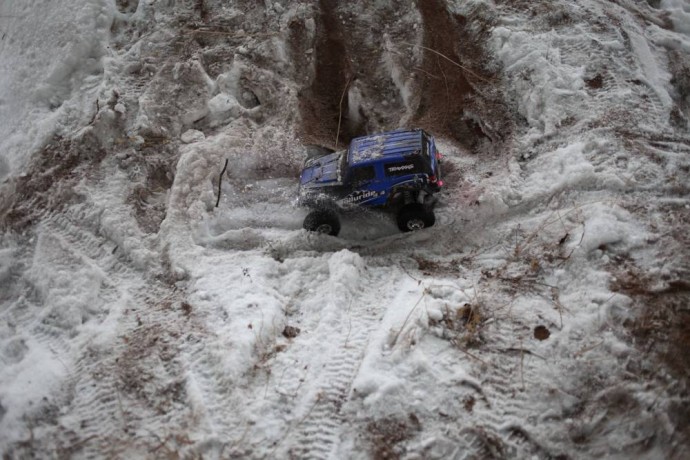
226,34
395,339
98,109
449,60
522,362
471,355
220,181
340,110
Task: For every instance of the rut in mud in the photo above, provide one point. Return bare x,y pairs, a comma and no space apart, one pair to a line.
375,72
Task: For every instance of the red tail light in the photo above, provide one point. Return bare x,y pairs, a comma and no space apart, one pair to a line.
434,180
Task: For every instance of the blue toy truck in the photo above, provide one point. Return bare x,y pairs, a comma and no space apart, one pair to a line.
398,171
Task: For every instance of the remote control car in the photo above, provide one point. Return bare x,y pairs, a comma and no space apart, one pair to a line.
398,171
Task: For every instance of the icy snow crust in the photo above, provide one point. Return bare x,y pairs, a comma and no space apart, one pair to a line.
138,320
53,66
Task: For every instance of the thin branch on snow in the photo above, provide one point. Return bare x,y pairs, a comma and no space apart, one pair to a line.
588,349
227,34
522,367
395,339
448,59
524,350
471,355
220,181
98,109
340,112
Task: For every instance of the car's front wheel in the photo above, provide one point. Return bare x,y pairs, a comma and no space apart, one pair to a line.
415,216
323,221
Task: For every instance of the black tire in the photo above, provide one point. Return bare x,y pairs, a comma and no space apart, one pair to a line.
415,216
323,221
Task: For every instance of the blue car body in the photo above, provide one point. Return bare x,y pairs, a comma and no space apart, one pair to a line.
375,171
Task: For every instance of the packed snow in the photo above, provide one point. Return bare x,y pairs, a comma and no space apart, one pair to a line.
143,314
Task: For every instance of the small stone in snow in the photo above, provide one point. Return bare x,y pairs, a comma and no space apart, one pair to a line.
541,333
291,332
180,273
192,135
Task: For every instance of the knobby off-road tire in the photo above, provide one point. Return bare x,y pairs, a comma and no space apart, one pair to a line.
323,221
415,216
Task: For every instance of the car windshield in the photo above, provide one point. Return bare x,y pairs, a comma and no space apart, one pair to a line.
342,164
426,146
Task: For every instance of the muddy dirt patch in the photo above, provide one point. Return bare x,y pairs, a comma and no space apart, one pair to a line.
367,80
386,436
321,104
460,98
49,181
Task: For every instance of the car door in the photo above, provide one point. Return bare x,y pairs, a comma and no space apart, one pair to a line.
366,188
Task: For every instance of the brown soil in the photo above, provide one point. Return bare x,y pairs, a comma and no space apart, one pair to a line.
386,434
49,180
127,6
596,82
541,333
679,64
319,104
461,87
661,332
662,325
443,99
454,96
147,198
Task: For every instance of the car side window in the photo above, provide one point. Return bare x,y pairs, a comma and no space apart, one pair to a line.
362,174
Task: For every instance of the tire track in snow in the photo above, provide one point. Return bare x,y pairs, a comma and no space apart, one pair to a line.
216,390
318,433
138,380
120,406
96,406
96,415
498,422
507,386
85,243
100,413
614,65
311,384
57,230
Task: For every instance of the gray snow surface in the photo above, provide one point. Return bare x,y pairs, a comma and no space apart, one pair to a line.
545,315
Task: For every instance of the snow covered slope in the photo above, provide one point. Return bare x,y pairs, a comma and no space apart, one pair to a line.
544,315
52,58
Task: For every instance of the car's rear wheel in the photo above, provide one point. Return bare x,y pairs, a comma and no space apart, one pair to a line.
323,221
415,216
